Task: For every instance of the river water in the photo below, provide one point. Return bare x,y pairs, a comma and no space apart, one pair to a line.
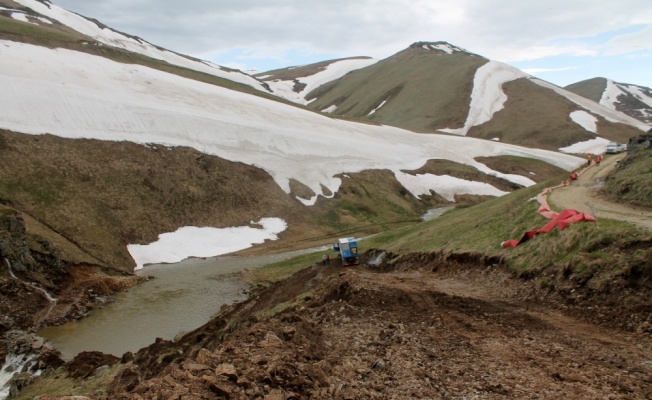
181,297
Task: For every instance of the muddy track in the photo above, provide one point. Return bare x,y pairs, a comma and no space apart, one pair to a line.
583,195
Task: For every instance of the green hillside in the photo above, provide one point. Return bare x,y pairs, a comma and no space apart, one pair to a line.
590,88
422,90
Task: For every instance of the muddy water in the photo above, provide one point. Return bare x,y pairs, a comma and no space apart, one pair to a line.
181,297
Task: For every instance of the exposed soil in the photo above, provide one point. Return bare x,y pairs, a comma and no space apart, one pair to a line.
358,333
583,195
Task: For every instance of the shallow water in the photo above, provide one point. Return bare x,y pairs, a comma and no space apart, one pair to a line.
181,297
435,212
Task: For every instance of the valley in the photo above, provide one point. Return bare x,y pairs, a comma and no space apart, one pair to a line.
109,144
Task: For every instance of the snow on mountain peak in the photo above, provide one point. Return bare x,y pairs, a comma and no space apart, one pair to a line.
442,46
107,36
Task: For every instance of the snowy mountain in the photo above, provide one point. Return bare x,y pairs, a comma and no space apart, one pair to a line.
413,90
633,100
69,76
46,13
68,93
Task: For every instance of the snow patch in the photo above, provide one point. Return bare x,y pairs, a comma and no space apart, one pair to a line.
377,108
444,185
333,71
136,45
329,109
191,241
585,120
487,96
594,146
595,108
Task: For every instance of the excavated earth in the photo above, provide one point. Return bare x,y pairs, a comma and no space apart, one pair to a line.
424,326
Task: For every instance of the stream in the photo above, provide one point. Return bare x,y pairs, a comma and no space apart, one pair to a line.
180,298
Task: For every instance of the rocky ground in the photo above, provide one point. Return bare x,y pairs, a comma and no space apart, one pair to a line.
421,327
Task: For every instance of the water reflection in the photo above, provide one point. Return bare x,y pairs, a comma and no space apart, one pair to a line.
181,297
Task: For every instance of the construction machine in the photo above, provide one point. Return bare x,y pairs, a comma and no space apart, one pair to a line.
348,251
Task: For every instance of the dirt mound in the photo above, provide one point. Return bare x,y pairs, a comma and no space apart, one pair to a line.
358,333
86,363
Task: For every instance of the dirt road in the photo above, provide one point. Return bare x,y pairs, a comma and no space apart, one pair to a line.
582,195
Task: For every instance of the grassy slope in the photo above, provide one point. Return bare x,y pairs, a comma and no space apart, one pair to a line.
586,248
415,83
631,180
600,250
104,195
590,88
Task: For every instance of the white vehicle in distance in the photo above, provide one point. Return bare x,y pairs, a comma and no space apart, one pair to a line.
613,148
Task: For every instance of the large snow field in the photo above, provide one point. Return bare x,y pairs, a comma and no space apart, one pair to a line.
77,95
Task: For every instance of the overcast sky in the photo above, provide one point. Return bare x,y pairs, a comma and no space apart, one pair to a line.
561,41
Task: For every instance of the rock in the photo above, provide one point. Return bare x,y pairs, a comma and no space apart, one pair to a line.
219,388
227,370
127,379
205,357
195,367
271,340
289,332
86,362
275,394
243,382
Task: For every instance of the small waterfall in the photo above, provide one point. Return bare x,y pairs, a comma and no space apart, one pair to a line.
14,364
47,295
8,264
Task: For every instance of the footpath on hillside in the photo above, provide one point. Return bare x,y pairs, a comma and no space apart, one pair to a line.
583,195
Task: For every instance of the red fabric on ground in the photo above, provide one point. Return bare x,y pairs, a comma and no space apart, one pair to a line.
559,221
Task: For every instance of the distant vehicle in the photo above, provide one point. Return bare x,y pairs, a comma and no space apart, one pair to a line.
348,249
613,148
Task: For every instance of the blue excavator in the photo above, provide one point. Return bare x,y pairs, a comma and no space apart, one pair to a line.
348,251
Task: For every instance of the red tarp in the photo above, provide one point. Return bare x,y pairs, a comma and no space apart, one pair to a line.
560,221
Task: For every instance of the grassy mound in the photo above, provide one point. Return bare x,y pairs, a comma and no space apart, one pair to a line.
630,181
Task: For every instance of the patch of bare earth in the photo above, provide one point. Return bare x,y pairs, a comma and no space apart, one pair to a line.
357,333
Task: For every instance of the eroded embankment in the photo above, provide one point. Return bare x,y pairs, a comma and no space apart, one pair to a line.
620,300
423,325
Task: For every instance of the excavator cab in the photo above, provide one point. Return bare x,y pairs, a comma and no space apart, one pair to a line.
348,251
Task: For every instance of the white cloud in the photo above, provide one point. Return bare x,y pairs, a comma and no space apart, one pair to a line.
641,40
281,31
534,71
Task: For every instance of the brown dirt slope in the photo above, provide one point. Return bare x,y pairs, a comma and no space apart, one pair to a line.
421,329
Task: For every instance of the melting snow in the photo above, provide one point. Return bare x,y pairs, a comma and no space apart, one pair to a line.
192,241
585,120
487,96
137,45
594,146
377,108
595,108
333,71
